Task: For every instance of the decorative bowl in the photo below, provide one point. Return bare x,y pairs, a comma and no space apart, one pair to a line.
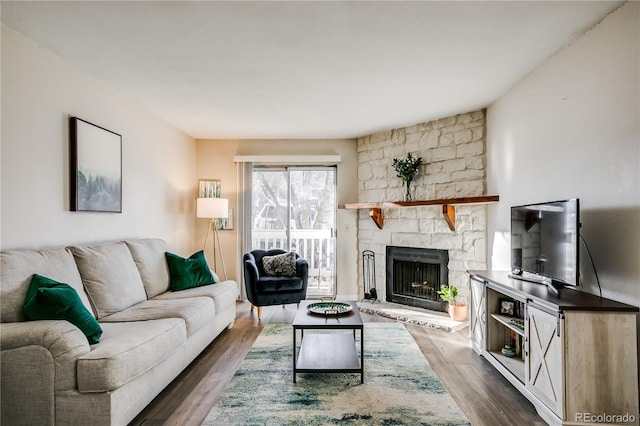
329,308
508,351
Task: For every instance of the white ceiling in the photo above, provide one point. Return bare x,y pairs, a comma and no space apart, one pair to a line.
305,69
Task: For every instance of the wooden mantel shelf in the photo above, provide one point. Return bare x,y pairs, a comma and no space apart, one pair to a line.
448,207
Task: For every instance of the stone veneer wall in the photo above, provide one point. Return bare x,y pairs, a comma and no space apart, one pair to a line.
453,153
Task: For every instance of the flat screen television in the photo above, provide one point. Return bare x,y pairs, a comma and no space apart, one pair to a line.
545,243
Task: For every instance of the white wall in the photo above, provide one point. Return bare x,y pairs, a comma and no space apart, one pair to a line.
572,129
39,93
215,161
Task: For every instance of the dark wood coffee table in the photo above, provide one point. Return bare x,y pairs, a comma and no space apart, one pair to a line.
328,352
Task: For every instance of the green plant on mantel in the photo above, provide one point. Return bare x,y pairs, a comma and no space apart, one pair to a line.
407,170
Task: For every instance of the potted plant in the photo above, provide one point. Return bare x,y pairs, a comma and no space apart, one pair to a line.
407,170
457,308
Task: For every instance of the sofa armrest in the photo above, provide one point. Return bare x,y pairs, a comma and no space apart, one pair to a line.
28,386
251,276
64,341
251,271
302,269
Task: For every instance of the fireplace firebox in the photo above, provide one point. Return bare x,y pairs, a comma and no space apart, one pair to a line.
414,276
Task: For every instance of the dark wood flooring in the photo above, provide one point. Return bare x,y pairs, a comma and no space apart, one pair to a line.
482,393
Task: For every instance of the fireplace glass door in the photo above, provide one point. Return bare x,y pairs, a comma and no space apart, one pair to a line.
415,275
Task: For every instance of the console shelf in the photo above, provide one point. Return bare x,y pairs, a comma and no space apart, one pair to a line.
514,365
448,207
574,352
508,322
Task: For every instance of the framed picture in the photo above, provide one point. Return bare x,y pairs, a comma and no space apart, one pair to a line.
209,189
95,168
507,307
226,224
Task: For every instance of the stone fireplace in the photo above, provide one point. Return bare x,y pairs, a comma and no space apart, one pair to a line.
453,152
414,276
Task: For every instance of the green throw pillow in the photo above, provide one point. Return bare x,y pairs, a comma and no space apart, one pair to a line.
188,273
48,299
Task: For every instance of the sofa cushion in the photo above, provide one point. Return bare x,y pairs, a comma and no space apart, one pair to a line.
128,350
148,254
48,299
196,312
224,294
110,277
17,268
188,273
279,284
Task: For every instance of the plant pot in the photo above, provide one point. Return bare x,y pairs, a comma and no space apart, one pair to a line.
458,312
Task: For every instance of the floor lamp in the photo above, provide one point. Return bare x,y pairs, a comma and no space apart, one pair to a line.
213,209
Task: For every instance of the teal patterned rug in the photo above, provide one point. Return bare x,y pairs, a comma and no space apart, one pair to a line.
400,388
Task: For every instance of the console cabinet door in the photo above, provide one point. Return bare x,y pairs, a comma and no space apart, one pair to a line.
478,326
544,358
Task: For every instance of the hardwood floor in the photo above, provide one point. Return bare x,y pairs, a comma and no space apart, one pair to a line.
482,393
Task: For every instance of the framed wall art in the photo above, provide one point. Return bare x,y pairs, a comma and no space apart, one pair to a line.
227,223
208,189
95,168
211,188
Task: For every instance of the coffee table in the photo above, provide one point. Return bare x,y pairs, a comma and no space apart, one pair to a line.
328,352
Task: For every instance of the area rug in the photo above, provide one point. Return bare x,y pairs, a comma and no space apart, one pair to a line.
400,388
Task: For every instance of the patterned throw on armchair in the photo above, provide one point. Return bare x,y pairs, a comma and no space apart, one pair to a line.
274,277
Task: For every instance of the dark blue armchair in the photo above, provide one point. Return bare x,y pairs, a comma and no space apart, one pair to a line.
265,290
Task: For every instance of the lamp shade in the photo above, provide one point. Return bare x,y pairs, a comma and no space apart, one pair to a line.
212,208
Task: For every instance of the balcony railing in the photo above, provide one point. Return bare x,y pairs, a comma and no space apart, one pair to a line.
314,245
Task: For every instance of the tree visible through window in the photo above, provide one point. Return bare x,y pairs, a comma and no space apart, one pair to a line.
294,209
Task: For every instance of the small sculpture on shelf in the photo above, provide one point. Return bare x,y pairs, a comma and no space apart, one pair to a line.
508,351
407,170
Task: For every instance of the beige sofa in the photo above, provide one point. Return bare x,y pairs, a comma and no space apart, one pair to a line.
50,374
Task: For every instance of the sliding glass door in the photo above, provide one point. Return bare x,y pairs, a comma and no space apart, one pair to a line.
294,208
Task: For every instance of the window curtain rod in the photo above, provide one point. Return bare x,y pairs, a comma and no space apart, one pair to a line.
289,159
